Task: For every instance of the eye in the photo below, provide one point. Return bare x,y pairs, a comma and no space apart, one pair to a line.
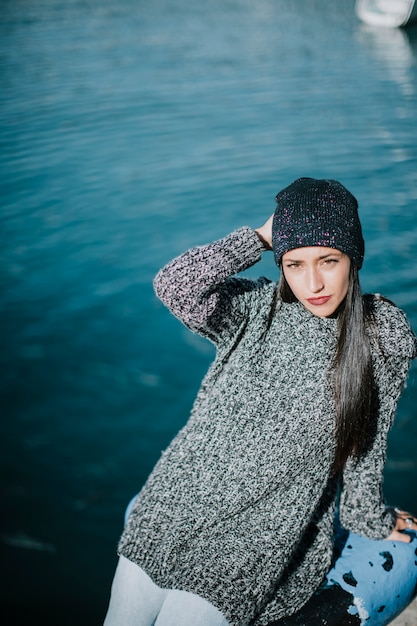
330,261
292,265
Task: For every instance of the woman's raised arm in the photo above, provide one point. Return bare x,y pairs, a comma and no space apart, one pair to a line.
193,285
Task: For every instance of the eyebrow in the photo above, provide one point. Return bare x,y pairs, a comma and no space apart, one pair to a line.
321,257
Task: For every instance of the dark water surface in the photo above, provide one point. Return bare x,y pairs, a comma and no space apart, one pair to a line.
130,131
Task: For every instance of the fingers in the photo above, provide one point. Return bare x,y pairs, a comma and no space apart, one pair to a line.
405,520
399,536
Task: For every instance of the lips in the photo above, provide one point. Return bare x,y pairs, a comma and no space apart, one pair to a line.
318,301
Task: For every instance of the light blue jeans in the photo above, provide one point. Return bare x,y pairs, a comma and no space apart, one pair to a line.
372,581
136,601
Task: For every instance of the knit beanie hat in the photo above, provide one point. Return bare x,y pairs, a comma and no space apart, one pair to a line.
313,212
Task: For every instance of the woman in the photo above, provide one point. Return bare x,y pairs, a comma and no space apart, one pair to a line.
235,523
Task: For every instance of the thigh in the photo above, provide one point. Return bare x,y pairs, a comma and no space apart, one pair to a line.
188,609
380,575
370,583
135,599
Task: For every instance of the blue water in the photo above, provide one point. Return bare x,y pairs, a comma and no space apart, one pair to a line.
130,131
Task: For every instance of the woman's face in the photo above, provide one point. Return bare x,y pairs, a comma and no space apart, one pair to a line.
318,277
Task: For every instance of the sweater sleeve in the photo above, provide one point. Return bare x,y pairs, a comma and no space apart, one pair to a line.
362,506
198,287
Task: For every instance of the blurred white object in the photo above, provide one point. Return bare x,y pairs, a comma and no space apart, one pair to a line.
392,13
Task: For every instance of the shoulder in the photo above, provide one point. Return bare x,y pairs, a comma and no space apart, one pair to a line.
261,286
394,332
254,296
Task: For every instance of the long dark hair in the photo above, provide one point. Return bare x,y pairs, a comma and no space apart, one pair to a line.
351,373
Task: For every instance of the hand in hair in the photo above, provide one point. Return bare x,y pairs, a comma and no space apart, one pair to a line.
265,232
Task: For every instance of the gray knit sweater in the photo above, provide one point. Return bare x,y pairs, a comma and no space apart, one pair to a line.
239,508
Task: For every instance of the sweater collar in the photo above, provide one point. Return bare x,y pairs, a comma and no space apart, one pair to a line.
299,312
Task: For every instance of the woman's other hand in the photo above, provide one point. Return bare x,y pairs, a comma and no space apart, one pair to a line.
404,521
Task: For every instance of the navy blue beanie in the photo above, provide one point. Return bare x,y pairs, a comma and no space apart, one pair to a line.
314,212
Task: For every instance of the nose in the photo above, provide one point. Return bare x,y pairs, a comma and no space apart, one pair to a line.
315,282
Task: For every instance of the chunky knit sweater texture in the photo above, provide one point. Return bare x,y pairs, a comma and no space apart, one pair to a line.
239,508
